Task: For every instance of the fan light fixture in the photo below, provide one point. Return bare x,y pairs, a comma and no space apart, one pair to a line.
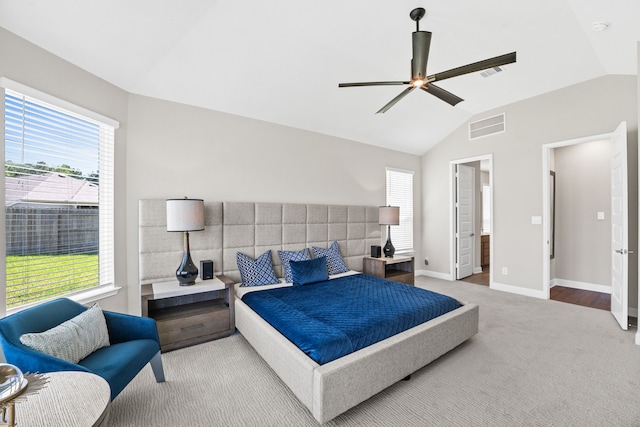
420,42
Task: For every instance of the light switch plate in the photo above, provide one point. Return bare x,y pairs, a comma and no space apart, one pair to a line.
536,220
600,215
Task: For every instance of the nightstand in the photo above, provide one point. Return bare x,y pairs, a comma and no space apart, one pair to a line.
188,315
398,268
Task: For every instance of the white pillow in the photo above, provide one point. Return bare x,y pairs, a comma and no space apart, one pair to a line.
74,339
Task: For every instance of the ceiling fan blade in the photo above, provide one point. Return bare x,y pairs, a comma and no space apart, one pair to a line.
421,40
476,66
372,84
396,99
444,95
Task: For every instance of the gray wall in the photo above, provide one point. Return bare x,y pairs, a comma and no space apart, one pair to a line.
176,150
590,108
583,188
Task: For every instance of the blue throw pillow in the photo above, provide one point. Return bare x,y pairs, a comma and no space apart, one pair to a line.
288,256
311,271
335,263
256,272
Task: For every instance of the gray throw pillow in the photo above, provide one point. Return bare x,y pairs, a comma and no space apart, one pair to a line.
74,339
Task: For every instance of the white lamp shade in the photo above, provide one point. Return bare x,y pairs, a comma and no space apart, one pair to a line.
185,214
389,215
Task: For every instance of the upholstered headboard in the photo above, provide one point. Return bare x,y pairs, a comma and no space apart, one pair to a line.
252,228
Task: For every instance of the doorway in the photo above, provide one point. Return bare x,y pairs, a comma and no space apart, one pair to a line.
586,217
471,243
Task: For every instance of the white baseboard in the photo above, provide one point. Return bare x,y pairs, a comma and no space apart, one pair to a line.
518,290
434,274
477,270
605,289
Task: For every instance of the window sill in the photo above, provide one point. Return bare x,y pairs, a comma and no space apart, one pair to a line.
83,297
94,295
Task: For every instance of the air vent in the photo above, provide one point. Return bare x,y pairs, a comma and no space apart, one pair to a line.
486,127
490,72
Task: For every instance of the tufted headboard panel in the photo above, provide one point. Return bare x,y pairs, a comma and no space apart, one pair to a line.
253,228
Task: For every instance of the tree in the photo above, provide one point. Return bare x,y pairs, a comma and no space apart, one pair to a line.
12,169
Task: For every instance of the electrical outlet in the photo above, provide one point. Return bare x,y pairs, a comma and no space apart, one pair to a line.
426,261
505,271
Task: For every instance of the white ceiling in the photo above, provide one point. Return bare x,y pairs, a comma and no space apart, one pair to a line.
281,61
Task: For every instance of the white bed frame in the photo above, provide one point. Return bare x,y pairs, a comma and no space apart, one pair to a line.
327,390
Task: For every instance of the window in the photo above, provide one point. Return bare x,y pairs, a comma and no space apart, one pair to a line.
400,193
58,195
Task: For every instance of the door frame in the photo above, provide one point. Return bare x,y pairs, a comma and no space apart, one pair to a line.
452,211
546,205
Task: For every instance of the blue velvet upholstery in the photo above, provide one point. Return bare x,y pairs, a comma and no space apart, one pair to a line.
134,343
310,271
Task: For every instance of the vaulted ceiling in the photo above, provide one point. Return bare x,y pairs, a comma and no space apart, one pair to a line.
281,61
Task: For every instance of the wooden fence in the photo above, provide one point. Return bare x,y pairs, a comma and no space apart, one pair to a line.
32,230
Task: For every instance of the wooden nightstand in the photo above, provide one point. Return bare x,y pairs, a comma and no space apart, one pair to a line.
188,315
399,268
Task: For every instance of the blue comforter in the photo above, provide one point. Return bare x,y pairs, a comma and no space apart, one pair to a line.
330,319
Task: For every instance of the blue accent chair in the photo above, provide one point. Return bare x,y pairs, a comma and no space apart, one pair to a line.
134,343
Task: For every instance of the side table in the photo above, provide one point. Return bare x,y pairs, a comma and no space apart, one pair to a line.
70,399
397,268
188,315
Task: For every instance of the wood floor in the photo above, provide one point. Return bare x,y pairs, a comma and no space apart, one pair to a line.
578,296
479,278
591,299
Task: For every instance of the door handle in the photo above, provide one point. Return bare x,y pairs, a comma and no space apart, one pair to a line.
623,251
472,234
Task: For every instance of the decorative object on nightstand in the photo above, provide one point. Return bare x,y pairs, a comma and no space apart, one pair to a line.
206,269
376,251
389,215
185,215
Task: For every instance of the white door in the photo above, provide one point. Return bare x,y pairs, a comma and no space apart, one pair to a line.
465,184
619,227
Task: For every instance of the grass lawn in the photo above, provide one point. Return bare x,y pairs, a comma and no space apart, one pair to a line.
32,278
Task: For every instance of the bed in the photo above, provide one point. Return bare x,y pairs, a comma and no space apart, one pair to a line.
328,389
332,388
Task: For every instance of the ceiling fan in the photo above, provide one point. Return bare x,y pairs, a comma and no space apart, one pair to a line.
419,79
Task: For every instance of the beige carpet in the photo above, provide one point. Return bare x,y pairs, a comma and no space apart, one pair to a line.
533,363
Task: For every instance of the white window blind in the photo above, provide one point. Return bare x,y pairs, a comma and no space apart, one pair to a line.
400,193
59,199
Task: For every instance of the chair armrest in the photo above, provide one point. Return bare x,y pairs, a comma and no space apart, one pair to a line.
29,360
126,327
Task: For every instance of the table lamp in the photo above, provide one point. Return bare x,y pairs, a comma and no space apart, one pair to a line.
389,215
185,215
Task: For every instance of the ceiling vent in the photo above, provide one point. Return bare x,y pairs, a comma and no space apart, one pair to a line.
490,72
488,126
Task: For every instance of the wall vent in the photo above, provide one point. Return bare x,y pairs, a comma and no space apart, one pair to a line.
488,126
